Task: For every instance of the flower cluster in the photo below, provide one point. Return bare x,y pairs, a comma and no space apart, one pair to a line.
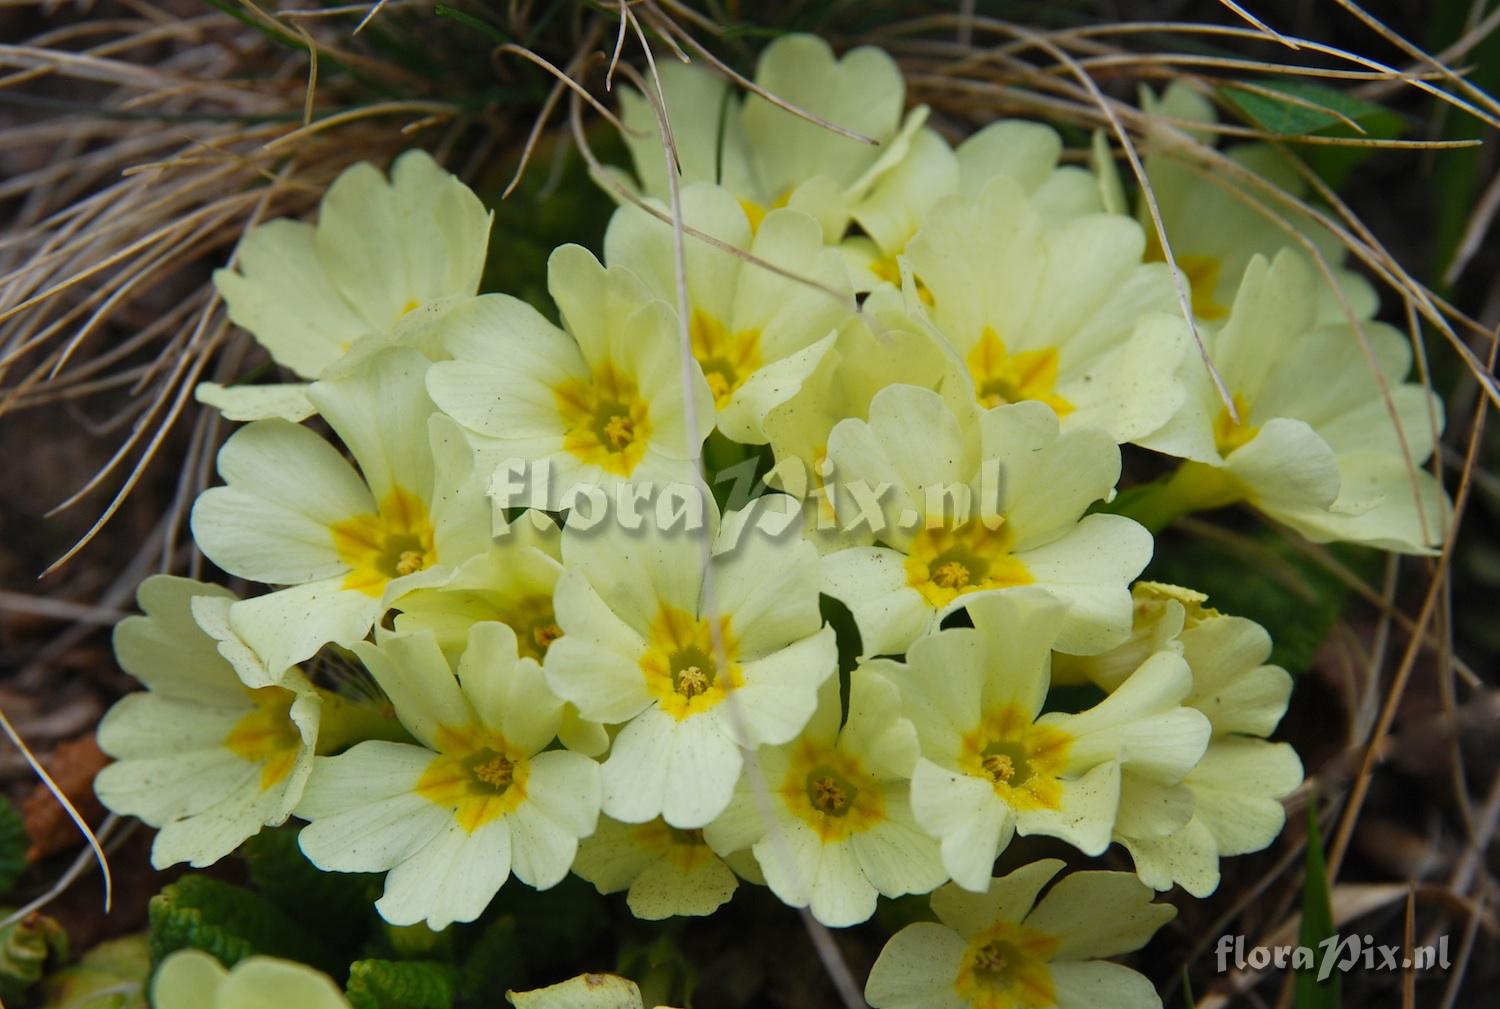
927,360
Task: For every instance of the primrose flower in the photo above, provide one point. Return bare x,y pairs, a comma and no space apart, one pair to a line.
511,582
899,203
601,402
698,649
769,157
840,827
1003,948
1061,312
1235,791
451,818
1216,223
310,293
1313,443
191,979
993,765
965,504
878,348
346,543
755,334
200,755
665,871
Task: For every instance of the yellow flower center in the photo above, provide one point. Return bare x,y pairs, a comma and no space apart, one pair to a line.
267,735
682,664
476,775
727,360
1001,377
889,270
395,541
606,422
1202,274
685,849
831,792
755,212
1230,434
944,563
1021,759
1005,967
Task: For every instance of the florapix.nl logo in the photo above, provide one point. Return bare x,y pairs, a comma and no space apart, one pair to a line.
1341,953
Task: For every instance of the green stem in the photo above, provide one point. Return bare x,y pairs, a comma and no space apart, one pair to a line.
1194,487
344,722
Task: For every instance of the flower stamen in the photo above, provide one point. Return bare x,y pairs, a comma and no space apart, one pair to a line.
691,682
952,575
1000,767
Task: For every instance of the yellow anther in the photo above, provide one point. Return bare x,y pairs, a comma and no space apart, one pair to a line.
620,431
830,796
952,575
991,959
691,682
999,766
497,772
545,634
410,562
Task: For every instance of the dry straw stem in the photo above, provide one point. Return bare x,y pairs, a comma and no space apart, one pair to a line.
191,129
157,170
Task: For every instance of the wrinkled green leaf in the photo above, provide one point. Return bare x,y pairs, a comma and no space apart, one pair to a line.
404,984
1317,926
112,975
227,922
27,948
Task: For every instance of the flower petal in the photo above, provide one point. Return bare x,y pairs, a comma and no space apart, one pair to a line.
917,969
1099,914
453,877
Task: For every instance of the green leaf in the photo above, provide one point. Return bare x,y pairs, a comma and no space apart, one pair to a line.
1260,576
404,984
13,844
336,903
662,971
555,203
410,942
1317,926
494,962
27,949
491,32
227,922
1307,108
558,922
112,975
1315,110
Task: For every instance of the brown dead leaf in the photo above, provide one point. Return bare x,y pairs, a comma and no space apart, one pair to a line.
73,766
